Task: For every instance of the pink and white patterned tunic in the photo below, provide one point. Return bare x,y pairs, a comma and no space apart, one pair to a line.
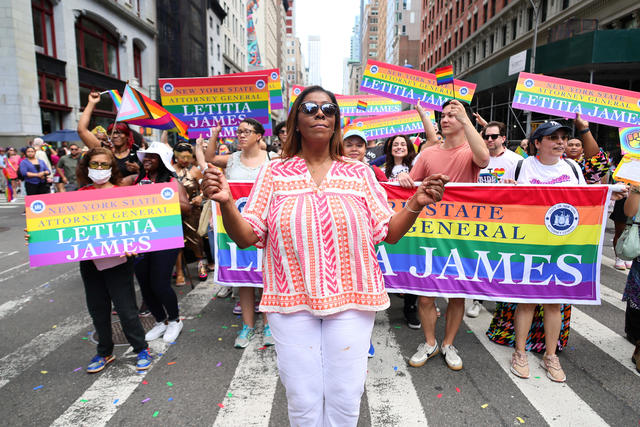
319,241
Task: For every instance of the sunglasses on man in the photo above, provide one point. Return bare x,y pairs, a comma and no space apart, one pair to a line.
493,136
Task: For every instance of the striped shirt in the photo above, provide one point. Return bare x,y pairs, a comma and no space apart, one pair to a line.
319,241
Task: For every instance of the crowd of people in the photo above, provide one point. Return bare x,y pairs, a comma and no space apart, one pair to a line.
316,303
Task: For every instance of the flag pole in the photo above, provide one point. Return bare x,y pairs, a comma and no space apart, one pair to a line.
453,82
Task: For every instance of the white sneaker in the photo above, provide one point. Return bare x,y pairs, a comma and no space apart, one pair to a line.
450,354
628,264
173,330
474,309
156,332
224,292
424,353
620,264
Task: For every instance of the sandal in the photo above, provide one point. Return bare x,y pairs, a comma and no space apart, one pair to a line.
202,271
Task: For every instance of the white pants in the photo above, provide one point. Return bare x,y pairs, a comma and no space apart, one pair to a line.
323,364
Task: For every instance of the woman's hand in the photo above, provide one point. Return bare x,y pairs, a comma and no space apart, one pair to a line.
26,237
482,122
94,97
196,201
405,181
581,124
132,167
215,186
431,190
213,134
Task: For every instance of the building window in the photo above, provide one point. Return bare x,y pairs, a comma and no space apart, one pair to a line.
514,28
53,89
468,27
97,48
137,64
504,35
218,29
485,12
475,21
211,23
43,28
529,19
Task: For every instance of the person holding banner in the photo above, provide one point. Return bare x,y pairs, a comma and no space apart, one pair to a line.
153,269
461,156
244,165
314,212
121,138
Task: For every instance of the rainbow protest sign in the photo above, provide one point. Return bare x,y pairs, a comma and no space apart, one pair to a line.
497,242
83,225
204,102
366,105
402,123
566,98
275,85
408,85
293,94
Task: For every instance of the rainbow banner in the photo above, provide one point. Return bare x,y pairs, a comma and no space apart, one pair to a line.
566,98
539,244
94,224
366,105
376,127
294,91
408,85
204,102
275,85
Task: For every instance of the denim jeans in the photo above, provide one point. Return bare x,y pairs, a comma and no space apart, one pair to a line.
101,288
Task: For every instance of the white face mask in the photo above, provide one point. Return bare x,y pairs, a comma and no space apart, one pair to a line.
99,176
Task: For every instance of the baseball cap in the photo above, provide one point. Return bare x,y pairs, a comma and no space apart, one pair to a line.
548,128
355,132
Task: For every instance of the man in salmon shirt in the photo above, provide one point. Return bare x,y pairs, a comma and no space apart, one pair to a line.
461,157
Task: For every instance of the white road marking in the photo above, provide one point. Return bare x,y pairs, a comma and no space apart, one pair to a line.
551,400
391,394
95,407
612,297
604,338
38,348
253,385
8,254
13,268
13,306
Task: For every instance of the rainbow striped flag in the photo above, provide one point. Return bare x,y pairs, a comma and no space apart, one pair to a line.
94,224
115,97
362,105
488,242
138,109
520,150
444,75
9,189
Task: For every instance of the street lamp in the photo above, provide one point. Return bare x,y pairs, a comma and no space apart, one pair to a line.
532,62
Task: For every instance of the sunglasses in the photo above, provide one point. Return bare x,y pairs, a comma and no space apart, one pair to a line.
329,109
99,165
492,136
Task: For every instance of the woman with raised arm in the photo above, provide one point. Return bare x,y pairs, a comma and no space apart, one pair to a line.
314,212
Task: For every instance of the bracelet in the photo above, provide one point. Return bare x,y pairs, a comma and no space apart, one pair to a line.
406,206
635,189
584,131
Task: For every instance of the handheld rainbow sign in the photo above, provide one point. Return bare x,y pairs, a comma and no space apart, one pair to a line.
444,75
204,102
367,105
275,85
94,224
630,140
566,98
529,244
402,123
408,85
293,94
362,105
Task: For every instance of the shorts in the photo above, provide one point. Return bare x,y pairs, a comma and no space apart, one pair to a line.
618,211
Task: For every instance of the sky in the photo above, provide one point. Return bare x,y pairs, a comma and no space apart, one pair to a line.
333,21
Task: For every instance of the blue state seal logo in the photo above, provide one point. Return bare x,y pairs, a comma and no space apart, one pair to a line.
167,193
463,91
561,219
528,83
167,87
373,69
37,206
260,84
241,202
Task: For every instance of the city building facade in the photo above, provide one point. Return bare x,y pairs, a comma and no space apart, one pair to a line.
593,41
64,49
313,50
215,41
234,36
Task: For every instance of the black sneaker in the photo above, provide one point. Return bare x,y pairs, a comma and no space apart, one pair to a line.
413,321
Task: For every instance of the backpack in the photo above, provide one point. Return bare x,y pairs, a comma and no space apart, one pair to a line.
519,166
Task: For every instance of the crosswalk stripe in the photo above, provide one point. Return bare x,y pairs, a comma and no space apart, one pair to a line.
610,262
38,348
253,386
390,391
13,268
550,399
604,338
13,306
95,407
612,297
